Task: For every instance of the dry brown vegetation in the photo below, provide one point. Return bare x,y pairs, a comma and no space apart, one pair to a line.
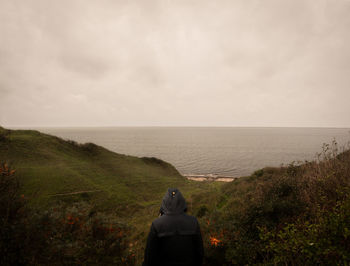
293,215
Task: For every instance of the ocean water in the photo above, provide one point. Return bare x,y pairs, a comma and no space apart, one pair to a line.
226,151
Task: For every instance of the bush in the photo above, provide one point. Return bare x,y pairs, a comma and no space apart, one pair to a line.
12,216
202,211
292,215
3,134
77,234
64,234
325,241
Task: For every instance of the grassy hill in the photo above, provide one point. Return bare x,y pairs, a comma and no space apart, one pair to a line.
48,165
293,215
53,171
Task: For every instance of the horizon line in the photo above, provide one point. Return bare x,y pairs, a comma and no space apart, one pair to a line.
171,126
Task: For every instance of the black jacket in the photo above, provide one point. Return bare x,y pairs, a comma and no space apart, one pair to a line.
175,237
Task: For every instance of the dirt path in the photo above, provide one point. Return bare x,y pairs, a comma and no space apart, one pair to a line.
76,192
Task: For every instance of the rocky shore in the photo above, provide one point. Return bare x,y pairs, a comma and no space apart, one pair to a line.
210,177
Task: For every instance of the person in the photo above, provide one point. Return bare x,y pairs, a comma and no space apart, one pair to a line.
175,237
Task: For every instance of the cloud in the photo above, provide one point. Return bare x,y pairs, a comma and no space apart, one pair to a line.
244,63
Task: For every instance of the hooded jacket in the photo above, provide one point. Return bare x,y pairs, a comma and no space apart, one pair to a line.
175,237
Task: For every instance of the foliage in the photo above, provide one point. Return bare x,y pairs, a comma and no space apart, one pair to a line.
76,234
3,134
323,241
11,215
293,215
296,214
202,211
64,234
59,174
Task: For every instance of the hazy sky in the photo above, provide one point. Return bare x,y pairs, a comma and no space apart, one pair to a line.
175,63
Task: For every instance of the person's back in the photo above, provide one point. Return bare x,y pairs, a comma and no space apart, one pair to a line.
175,237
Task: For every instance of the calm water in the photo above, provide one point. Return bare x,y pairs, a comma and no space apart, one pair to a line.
223,151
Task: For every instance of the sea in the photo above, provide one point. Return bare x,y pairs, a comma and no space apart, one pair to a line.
221,151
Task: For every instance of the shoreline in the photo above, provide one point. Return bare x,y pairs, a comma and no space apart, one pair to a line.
209,177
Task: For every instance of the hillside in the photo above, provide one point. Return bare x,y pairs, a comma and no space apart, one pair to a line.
47,165
61,174
93,206
293,215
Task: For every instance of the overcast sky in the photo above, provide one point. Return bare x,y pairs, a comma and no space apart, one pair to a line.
175,63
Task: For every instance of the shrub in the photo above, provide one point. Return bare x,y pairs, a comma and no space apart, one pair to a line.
292,215
202,211
61,235
12,215
3,134
76,234
325,241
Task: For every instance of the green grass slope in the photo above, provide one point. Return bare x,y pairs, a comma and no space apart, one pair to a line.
293,215
48,165
56,173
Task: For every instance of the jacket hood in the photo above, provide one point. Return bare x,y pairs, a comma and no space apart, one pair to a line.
173,202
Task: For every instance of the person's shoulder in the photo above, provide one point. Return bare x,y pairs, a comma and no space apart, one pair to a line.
190,217
173,219
159,220
194,220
